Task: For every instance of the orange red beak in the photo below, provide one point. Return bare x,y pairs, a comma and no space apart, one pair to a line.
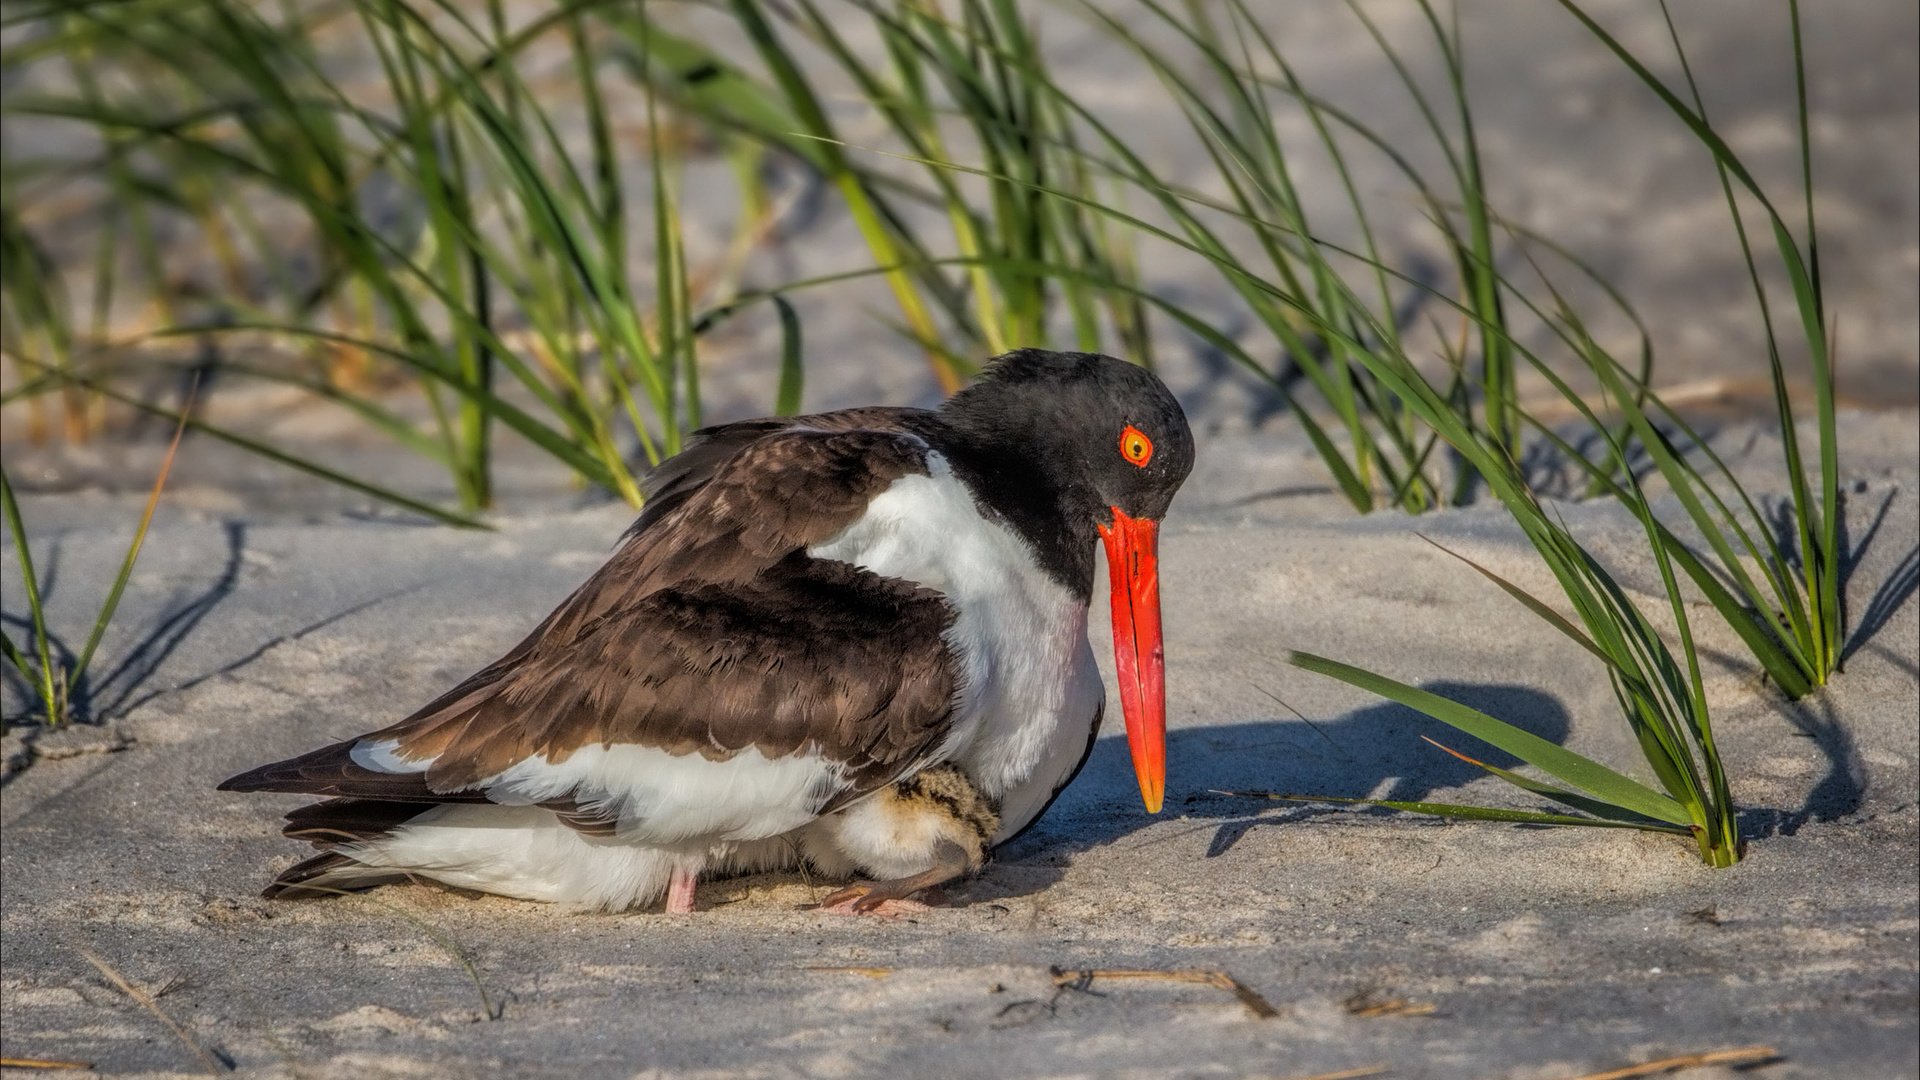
1133,567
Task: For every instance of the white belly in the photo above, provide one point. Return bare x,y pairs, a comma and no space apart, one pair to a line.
1029,690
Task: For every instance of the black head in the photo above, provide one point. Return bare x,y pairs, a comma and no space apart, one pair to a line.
1069,446
1057,441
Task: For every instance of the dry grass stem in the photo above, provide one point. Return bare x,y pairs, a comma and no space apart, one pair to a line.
1739,1056
42,1063
1349,1074
1081,978
444,940
1368,1004
1255,1004
145,1000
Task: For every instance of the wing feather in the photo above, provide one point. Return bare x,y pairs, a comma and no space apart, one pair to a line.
711,634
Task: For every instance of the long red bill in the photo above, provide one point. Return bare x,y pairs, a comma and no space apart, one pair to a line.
1132,565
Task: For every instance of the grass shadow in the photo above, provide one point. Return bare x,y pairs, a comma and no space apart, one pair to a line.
1890,596
112,695
1838,795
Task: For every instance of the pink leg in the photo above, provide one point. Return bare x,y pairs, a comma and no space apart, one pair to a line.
892,899
855,901
680,891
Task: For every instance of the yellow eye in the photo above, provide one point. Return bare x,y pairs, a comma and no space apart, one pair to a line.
1135,446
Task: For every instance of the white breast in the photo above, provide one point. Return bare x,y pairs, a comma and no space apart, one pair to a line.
1029,689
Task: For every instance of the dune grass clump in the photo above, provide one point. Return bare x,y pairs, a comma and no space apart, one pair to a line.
1784,608
50,674
441,224
1793,626
1334,310
1661,697
1026,251
429,219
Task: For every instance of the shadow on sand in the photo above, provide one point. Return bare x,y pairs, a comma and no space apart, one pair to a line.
100,698
1376,751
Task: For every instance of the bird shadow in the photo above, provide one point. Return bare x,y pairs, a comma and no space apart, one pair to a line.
1374,752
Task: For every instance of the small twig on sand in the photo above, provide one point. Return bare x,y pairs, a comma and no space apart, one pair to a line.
1255,1004
213,1064
1368,1004
1744,1055
1349,1074
1081,978
42,1063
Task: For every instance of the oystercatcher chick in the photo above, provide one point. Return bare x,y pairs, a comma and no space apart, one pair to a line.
857,639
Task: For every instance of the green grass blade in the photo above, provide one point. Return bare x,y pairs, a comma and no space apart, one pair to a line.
43,680
119,588
786,400
1467,812
1344,475
1557,794
11,654
1581,772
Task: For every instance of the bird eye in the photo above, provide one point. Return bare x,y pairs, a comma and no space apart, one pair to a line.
1136,447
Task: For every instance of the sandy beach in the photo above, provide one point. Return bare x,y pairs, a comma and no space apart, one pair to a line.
270,614
1542,953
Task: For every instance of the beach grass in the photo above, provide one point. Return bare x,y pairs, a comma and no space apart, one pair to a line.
1793,626
503,293
50,673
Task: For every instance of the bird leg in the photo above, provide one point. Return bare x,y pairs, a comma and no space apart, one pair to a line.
680,891
895,897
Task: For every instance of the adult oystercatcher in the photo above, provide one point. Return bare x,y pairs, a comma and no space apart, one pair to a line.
857,639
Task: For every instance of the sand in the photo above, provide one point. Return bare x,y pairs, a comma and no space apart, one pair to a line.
1541,952
269,615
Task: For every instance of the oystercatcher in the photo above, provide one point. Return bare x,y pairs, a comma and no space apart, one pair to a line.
857,639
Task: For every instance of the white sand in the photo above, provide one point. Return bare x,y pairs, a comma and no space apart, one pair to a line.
1544,952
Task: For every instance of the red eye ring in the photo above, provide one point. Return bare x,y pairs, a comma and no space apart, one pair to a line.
1136,447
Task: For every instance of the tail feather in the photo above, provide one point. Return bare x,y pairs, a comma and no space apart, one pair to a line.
329,873
333,822
329,825
331,770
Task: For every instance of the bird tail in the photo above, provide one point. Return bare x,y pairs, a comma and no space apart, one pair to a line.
333,824
329,873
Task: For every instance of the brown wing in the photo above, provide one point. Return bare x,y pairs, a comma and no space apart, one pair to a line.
709,453
679,477
709,632
810,655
